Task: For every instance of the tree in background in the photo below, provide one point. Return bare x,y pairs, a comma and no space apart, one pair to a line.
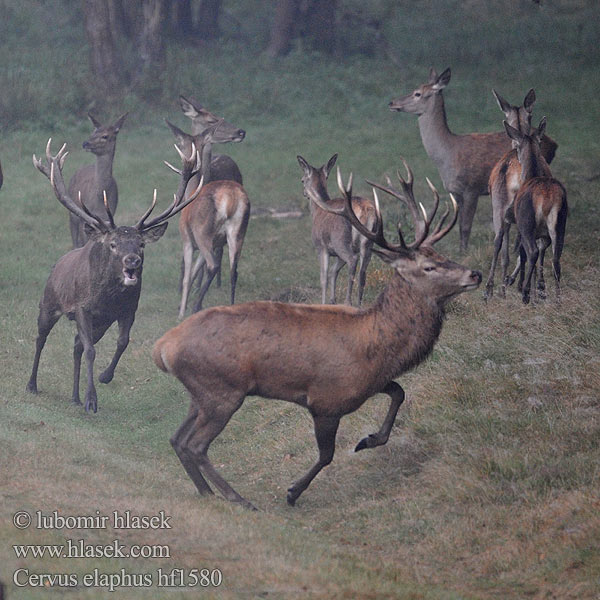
313,20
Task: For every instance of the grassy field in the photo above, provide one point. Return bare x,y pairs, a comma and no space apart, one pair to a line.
489,485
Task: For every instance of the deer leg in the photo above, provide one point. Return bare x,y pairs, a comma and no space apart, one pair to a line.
211,271
85,332
324,260
532,252
325,432
505,258
542,245
207,425
498,243
351,276
77,354
122,342
397,395
218,261
365,259
189,465
188,255
467,213
333,277
46,321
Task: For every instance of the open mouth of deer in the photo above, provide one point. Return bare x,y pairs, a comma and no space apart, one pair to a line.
130,277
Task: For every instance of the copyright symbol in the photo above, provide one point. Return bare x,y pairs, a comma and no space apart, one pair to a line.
22,519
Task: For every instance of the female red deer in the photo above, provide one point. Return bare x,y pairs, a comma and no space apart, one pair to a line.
540,209
328,359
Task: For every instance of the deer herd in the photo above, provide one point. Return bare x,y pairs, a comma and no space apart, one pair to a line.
328,358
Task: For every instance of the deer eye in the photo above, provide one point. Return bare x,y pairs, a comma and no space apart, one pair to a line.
428,269
113,246
417,94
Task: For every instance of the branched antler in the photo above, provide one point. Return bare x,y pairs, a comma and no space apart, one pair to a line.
52,169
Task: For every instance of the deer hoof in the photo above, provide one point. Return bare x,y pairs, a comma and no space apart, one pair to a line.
91,404
292,496
32,388
105,377
370,441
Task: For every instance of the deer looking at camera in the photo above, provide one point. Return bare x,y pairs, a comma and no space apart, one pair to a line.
220,216
222,167
92,182
504,183
540,212
328,359
99,283
333,236
465,161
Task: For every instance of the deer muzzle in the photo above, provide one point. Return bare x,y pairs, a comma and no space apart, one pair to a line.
131,267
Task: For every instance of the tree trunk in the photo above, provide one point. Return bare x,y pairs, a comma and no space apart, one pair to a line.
106,68
152,45
282,30
320,25
182,18
208,19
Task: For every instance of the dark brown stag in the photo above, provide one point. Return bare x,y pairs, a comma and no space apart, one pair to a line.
99,283
328,359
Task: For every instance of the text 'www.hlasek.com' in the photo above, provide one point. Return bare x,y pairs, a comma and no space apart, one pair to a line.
80,545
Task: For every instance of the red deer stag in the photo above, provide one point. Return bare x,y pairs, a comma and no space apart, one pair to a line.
99,283
328,359
333,236
504,183
540,211
464,162
92,182
222,166
219,216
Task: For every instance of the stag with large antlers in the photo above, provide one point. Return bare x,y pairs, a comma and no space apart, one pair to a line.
99,283
328,359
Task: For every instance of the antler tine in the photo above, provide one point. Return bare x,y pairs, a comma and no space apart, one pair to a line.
89,213
438,233
108,211
173,209
140,223
53,171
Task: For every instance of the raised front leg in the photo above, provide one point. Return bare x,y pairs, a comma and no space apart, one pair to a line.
325,432
397,395
125,324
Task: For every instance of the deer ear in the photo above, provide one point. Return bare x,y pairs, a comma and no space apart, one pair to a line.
154,233
305,166
502,103
529,100
119,122
442,81
181,136
513,134
330,164
433,75
188,108
541,128
94,121
387,256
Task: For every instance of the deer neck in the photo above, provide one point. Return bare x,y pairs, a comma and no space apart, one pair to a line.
435,133
104,174
406,325
206,159
533,165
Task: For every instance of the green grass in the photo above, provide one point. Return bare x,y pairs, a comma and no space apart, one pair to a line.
488,486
